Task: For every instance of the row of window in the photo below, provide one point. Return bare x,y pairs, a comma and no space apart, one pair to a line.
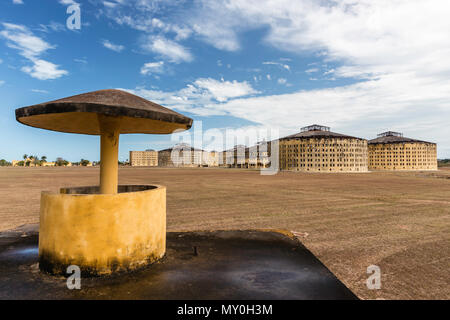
315,165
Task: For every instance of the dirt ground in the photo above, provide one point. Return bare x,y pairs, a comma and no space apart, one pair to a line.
397,221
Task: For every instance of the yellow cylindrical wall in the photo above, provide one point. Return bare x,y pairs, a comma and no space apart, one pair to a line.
403,156
102,233
329,154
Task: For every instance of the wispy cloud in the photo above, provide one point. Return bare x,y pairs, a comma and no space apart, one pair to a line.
224,90
52,26
111,46
282,65
197,96
44,70
140,15
68,2
152,67
39,91
83,61
20,38
31,47
312,70
17,1
167,49
2,82
110,4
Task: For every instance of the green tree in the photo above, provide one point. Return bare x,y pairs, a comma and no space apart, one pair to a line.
61,162
35,160
4,163
84,162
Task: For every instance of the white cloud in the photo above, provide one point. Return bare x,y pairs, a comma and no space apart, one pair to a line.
17,1
111,46
199,95
224,90
44,70
2,82
215,34
282,65
1,61
110,4
31,47
368,37
181,32
52,26
68,2
282,81
20,38
83,61
152,67
139,15
39,91
312,70
167,49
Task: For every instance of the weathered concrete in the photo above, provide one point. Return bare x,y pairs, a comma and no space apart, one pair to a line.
102,233
228,265
110,232
109,153
78,114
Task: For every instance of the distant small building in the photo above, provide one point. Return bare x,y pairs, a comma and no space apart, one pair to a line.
181,155
147,158
392,151
184,155
28,162
210,159
15,163
238,157
259,155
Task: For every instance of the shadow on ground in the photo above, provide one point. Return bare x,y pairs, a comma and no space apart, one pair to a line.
226,265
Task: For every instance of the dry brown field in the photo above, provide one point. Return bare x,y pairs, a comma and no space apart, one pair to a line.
398,221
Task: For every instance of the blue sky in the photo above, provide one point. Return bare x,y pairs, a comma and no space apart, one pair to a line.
360,67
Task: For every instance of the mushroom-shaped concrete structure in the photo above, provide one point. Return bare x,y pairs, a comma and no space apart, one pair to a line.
113,227
106,113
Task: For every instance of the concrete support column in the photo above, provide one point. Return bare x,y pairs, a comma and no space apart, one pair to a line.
109,153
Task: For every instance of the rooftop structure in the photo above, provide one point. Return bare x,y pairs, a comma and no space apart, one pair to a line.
316,131
315,127
390,133
394,137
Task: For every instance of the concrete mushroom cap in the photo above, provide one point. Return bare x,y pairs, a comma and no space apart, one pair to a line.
79,114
